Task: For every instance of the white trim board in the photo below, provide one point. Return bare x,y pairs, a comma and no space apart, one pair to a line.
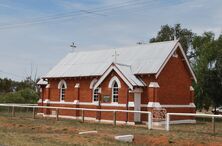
73,103
154,85
157,104
179,106
61,102
113,104
87,103
150,104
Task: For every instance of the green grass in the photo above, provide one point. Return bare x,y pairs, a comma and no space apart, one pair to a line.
22,130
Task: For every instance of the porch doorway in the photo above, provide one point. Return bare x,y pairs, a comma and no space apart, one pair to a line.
137,107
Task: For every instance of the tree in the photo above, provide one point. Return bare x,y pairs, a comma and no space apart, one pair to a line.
203,50
212,86
168,33
217,75
6,85
207,67
27,83
218,64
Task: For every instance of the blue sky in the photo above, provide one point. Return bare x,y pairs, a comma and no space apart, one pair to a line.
40,46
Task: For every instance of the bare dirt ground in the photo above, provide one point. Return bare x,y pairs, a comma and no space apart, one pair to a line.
22,130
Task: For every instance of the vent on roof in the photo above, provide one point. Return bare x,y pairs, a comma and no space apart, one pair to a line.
175,54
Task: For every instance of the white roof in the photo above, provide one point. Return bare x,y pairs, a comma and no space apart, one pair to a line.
42,82
127,72
143,59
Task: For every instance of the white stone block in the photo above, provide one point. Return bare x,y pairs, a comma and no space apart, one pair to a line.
88,132
125,138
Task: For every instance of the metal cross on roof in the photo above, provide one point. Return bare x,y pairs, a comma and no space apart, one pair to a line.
73,46
115,56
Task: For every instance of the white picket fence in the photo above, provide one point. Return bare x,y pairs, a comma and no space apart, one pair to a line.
114,111
191,115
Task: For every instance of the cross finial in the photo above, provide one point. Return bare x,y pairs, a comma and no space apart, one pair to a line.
73,46
115,56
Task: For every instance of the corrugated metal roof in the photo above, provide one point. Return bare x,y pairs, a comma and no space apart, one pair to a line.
146,58
42,82
127,72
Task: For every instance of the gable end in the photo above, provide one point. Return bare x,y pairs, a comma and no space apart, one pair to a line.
178,45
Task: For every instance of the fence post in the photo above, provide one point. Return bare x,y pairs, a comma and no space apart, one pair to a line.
114,118
168,122
57,114
33,112
13,111
149,120
213,125
83,116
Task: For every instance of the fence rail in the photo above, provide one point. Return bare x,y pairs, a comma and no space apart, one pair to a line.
193,115
35,107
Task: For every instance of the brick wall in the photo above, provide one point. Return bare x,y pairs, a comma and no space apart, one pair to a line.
85,93
175,81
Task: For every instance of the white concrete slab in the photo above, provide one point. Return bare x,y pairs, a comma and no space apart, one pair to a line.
125,138
88,132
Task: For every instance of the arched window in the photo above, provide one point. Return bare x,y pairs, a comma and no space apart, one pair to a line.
62,86
95,92
62,92
115,92
95,95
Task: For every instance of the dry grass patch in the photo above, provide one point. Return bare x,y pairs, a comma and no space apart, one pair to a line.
24,131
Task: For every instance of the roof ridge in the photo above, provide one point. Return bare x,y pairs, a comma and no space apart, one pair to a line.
124,47
164,41
123,64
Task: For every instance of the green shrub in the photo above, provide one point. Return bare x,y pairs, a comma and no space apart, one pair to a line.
23,96
29,95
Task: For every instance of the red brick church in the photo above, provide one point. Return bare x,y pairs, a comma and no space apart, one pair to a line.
141,77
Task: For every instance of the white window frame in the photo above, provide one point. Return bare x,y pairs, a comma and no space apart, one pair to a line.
62,92
62,86
114,78
95,95
92,83
113,92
